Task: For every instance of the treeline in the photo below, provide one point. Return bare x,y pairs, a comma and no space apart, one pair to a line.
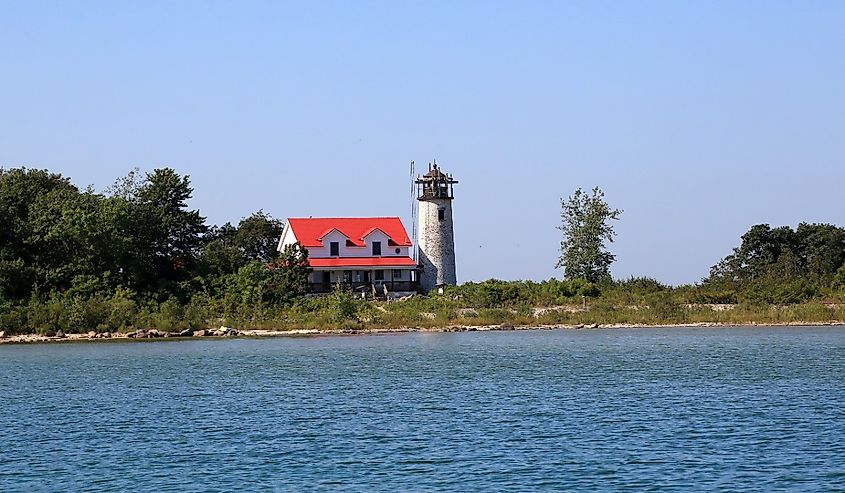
138,257
771,266
73,259
782,265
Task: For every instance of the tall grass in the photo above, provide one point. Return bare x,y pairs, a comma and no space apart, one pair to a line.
493,304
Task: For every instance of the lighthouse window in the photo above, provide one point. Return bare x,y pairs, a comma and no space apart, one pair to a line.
376,248
441,214
334,249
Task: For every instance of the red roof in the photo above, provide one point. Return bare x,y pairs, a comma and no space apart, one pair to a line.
362,262
309,231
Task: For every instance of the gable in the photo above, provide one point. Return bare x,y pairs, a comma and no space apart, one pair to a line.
311,231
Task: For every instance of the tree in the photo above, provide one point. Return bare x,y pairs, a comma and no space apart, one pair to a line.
258,236
20,189
781,264
169,237
290,273
585,227
275,284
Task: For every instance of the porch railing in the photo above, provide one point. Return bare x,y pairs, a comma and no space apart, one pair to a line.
365,287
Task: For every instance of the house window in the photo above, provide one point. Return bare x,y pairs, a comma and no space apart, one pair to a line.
397,274
334,249
379,275
376,248
441,214
398,251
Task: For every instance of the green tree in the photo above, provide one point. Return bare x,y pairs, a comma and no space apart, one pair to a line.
771,255
277,284
228,248
258,237
19,190
585,224
290,273
168,236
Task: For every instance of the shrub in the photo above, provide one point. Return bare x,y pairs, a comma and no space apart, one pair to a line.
342,305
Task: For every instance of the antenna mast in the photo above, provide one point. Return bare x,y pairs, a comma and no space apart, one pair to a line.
414,206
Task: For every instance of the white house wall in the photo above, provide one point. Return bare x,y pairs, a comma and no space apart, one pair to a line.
288,238
354,251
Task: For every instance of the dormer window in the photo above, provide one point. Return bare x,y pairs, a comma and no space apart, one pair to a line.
376,248
334,249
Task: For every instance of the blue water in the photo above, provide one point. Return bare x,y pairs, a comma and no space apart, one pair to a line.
594,410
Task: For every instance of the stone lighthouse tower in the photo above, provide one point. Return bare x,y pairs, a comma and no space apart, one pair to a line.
436,242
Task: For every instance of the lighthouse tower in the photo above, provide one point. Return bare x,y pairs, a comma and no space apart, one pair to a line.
436,244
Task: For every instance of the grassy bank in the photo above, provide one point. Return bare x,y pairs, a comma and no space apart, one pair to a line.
468,305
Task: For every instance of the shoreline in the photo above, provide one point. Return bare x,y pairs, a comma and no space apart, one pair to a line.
228,333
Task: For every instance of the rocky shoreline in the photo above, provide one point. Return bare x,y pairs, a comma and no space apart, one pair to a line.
228,332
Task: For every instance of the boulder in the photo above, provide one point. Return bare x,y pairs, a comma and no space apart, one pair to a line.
50,333
200,333
186,333
2,334
506,327
60,334
92,334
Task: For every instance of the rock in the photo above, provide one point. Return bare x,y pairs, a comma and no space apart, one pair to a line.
60,334
506,327
186,333
50,333
155,333
92,334
593,326
2,334
200,333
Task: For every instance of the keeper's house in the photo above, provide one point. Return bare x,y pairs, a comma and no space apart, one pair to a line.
358,252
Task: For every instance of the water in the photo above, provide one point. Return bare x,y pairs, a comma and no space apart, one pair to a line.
597,410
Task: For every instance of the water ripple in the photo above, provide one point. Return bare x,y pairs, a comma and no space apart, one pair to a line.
637,410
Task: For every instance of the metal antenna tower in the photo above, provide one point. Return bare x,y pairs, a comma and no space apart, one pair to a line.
414,206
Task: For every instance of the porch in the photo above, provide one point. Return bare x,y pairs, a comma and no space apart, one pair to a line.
364,287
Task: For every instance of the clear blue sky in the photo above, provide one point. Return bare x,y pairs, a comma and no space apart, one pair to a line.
699,119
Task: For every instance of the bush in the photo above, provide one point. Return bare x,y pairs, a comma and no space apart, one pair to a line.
342,306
